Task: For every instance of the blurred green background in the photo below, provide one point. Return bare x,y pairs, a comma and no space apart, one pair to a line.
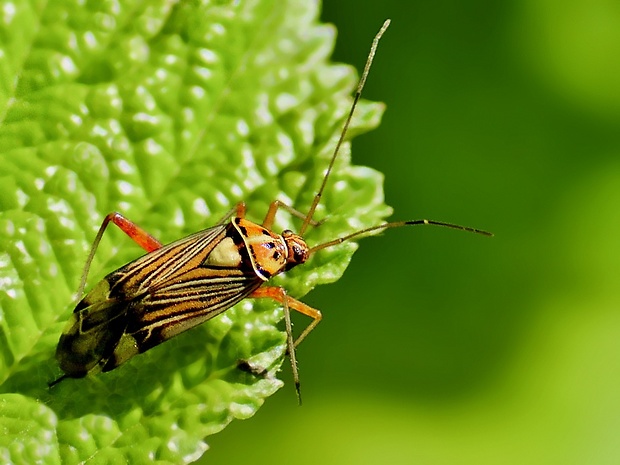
439,347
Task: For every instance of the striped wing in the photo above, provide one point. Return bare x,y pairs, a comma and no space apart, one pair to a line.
190,299
165,264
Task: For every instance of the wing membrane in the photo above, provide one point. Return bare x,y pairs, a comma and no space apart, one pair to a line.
165,264
183,303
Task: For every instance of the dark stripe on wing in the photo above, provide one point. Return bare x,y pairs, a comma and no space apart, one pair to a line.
167,263
187,301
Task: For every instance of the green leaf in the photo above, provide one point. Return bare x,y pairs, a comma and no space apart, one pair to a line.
170,112
28,430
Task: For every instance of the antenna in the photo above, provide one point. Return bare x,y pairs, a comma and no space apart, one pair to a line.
396,224
358,94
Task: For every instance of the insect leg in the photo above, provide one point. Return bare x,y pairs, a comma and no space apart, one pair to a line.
135,232
279,295
273,209
238,211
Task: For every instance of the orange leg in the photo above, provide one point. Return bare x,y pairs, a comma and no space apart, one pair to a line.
240,210
273,209
279,295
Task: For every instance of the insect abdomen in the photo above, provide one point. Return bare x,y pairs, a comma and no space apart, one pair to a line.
90,338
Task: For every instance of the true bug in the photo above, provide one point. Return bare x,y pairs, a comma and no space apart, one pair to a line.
177,286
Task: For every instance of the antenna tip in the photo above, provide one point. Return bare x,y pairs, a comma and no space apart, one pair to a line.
378,37
384,27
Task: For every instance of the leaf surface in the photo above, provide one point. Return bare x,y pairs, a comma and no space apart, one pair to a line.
171,113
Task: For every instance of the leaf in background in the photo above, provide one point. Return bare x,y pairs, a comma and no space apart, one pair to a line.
170,112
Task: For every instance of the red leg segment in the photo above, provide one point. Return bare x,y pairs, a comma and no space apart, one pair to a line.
135,232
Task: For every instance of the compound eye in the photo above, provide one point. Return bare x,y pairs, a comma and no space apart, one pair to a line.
297,249
300,254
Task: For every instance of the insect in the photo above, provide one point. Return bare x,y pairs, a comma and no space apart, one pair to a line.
177,286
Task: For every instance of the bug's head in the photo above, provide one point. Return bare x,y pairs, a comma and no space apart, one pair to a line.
298,251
